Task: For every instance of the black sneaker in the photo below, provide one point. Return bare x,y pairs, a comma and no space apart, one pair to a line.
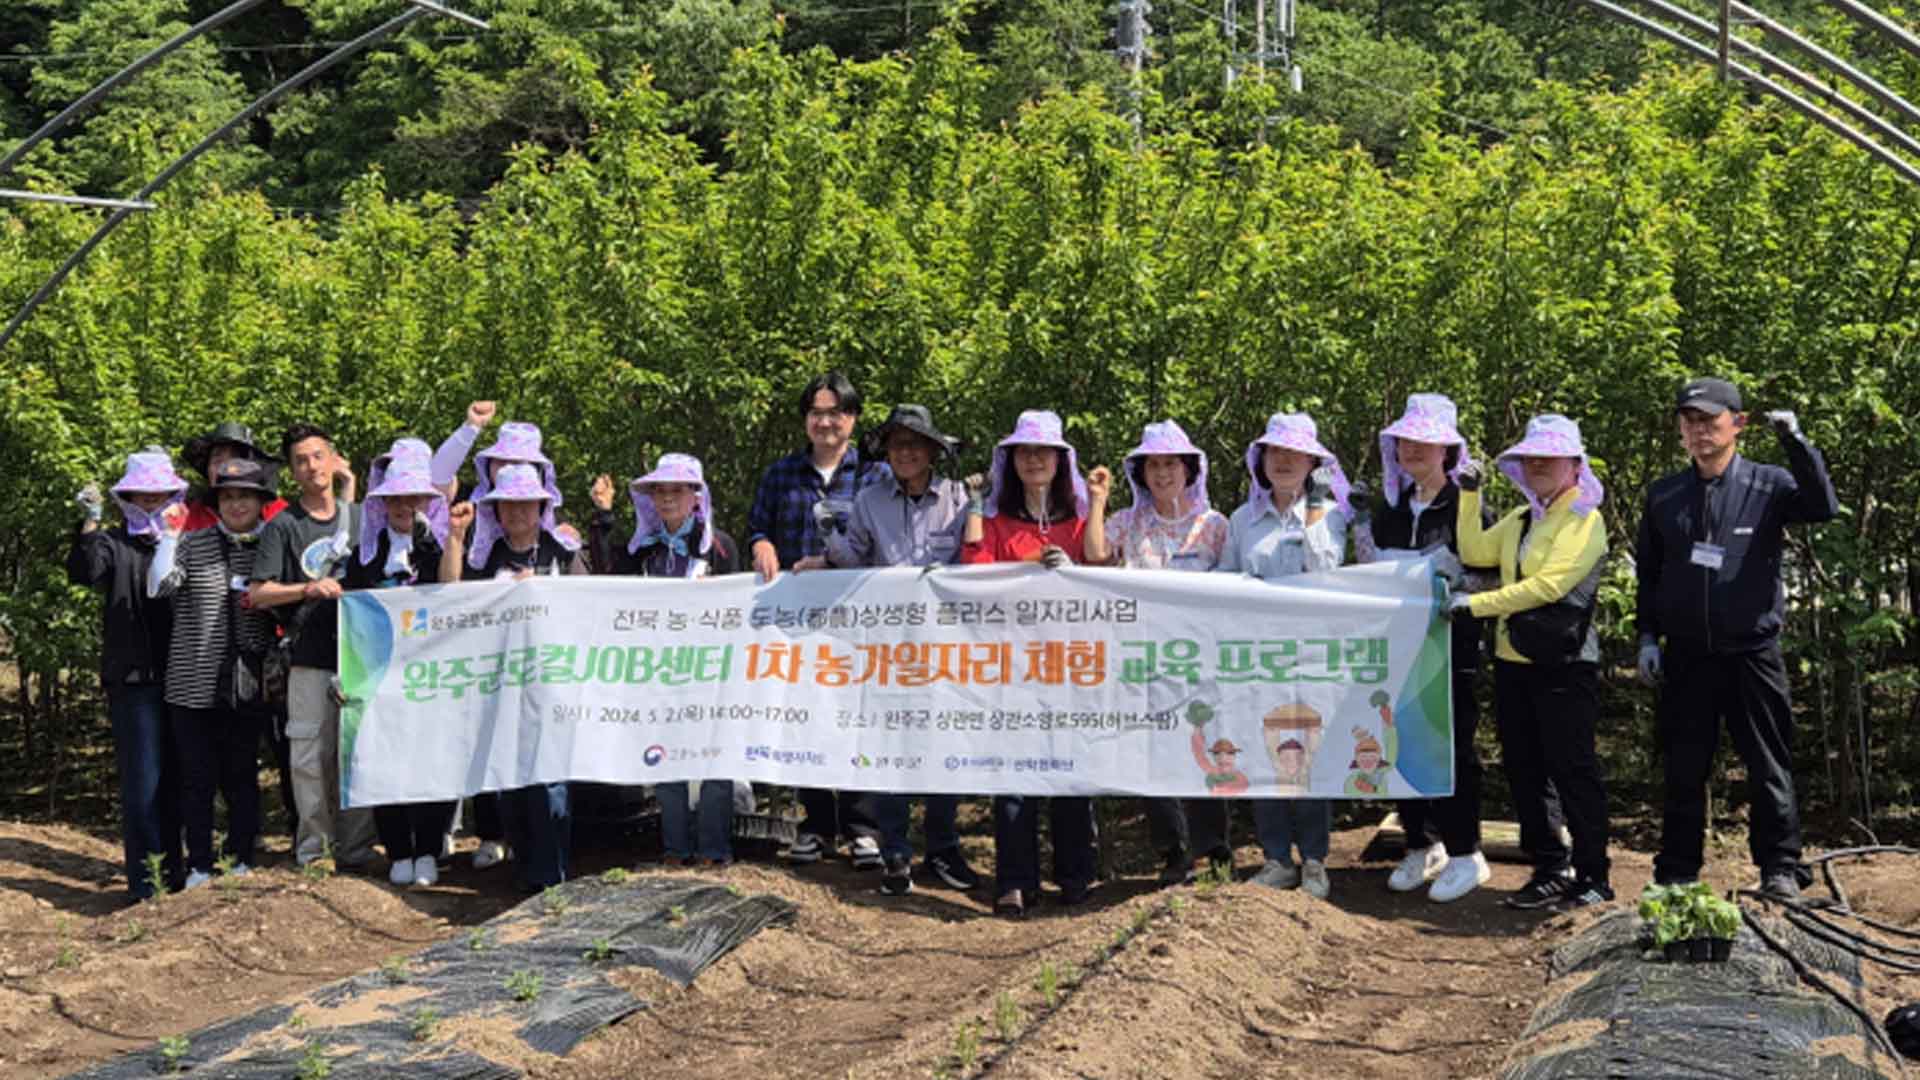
1587,894
951,868
896,876
1781,885
1177,870
1544,890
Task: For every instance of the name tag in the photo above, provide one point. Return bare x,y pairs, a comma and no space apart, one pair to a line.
1709,555
1745,530
237,583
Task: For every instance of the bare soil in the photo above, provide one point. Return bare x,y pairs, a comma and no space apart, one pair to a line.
1200,981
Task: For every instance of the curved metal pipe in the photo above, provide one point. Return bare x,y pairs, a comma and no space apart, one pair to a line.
1872,19
301,78
1880,92
1796,102
90,98
1800,78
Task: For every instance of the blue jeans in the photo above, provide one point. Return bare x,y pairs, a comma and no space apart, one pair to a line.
1283,823
1016,842
149,784
707,832
539,821
892,812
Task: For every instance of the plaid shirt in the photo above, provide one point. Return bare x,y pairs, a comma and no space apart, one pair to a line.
782,511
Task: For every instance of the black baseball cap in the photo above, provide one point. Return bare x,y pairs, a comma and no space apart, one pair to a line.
1712,396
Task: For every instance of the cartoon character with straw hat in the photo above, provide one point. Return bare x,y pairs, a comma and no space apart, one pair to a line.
1292,734
1372,762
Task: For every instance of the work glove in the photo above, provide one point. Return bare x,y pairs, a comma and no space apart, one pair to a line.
1053,557
1459,604
1469,476
1650,664
1784,422
90,502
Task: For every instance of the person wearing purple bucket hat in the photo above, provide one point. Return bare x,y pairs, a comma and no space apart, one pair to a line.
1295,521
538,818
136,633
1170,526
1546,655
519,443
404,526
1414,516
1037,512
674,536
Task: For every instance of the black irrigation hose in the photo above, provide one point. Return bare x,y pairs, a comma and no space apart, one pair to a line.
1800,915
1870,849
1833,885
1800,968
1870,943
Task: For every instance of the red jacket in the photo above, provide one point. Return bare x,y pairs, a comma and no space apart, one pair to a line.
1008,539
202,516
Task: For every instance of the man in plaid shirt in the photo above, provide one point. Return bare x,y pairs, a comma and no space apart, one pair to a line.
784,533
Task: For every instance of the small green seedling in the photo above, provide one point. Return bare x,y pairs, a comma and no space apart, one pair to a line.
396,971
735,890
173,1052
424,1023
524,985
617,876
69,956
132,932
966,1046
314,1064
600,951
555,903
1048,984
677,915
477,940
1006,1016
1177,904
156,874
298,1021
228,883
1141,918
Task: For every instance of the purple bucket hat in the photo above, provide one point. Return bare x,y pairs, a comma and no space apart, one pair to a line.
148,473
519,442
519,482
1552,435
405,469
1430,418
1294,431
1167,437
670,469
1036,427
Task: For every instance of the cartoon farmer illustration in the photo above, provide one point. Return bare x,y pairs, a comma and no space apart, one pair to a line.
1292,735
1371,762
1219,763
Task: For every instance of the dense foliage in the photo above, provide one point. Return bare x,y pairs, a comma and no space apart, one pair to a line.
645,232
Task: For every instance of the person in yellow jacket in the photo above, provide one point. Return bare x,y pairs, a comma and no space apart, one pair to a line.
1546,656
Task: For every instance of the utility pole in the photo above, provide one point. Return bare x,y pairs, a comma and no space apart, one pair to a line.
1260,39
1284,33
1230,24
1131,33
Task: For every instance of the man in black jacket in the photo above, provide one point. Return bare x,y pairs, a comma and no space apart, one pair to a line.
1708,558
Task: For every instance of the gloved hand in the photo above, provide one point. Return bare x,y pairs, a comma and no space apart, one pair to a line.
1470,475
1784,422
825,519
1053,557
1650,663
1321,482
1447,565
977,486
1459,604
1360,498
90,502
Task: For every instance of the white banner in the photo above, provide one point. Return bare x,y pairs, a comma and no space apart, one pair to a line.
973,680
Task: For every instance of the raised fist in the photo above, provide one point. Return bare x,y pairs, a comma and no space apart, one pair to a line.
460,519
480,414
1099,485
1469,476
602,492
977,485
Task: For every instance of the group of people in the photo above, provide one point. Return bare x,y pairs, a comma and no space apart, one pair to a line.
198,589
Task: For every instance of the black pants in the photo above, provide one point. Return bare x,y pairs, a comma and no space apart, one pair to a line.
1748,692
1189,828
216,748
1454,820
1016,842
833,815
1546,714
487,823
275,730
410,830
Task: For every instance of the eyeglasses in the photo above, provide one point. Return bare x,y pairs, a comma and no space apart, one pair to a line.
827,414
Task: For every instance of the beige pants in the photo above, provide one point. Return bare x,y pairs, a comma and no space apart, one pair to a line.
313,738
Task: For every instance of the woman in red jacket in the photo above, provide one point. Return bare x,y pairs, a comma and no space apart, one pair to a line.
1033,507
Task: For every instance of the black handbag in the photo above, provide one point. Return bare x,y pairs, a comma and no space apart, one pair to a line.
1553,633
247,683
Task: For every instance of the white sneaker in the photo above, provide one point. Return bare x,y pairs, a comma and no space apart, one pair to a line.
196,879
1419,867
1277,874
806,848
488,854
1313,879
401,872
1461,877
866,853
426,872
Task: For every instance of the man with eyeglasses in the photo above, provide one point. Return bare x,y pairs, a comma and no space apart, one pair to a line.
1708,561
801,498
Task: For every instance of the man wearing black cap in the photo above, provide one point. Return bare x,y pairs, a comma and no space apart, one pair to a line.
1708,560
